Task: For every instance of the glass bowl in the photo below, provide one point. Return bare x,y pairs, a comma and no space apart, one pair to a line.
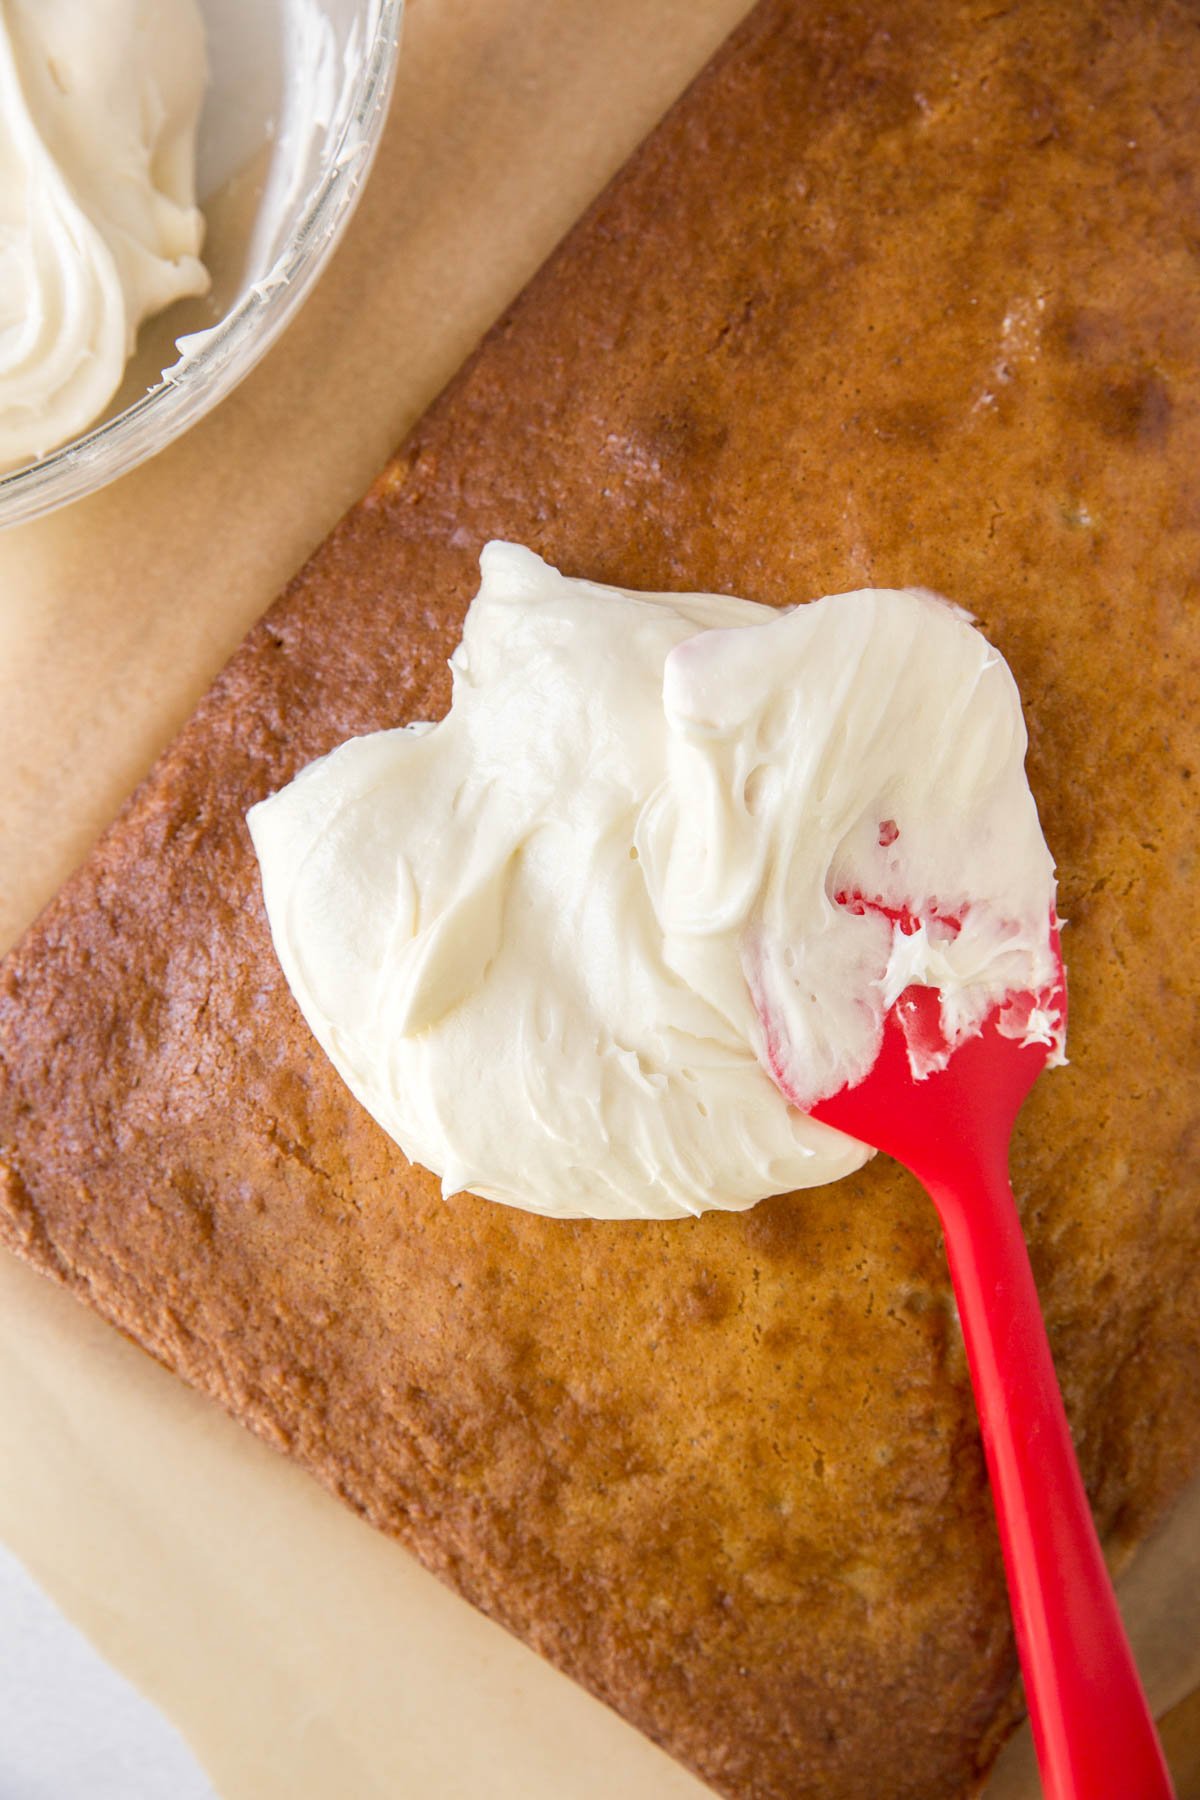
295,106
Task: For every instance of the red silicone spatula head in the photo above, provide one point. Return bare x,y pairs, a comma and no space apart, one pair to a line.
941,1125
1093,1730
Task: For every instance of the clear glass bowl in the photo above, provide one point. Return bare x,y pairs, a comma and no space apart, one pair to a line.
296,102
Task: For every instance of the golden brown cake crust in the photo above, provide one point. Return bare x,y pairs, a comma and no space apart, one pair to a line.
902,304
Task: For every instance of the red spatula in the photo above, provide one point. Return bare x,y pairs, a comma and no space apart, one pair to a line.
1092,1728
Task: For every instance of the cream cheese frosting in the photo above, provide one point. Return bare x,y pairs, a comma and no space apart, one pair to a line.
533,938
98,222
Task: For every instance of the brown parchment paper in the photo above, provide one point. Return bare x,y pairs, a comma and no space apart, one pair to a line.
302,1654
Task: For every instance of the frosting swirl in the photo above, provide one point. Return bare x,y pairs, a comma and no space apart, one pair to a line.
98,222
528,936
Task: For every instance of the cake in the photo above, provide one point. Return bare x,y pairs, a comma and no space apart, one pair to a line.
875,305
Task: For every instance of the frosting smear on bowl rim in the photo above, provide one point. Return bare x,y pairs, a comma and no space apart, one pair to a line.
531,937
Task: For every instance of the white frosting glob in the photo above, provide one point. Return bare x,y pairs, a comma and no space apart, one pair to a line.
532,937
98,222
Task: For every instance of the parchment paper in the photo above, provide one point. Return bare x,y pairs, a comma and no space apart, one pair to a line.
302,1654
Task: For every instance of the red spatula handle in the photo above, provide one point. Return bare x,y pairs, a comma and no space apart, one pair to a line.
1092,1728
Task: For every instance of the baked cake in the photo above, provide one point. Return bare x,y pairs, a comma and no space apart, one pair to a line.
902,303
